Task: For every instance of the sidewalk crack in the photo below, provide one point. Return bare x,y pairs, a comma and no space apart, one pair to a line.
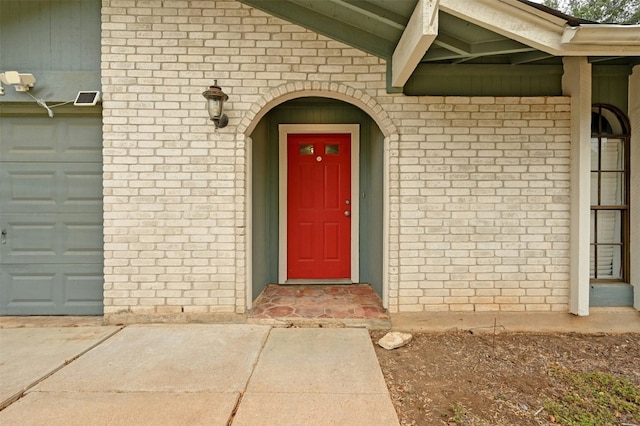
246,385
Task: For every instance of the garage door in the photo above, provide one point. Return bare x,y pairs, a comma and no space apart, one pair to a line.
51,255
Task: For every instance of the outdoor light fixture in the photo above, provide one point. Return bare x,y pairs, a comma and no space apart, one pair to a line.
215,101
21,81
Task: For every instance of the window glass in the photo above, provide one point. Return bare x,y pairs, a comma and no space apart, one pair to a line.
594,188
608,226
595,152
609,250
612,154
306,149
609,261
612,189
332,149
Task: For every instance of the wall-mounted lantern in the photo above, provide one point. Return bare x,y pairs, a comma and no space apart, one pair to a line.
215,102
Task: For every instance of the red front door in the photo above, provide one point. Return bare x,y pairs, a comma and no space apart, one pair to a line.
319,206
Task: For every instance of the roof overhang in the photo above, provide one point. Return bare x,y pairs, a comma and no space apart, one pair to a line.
619,36
517,21
408,33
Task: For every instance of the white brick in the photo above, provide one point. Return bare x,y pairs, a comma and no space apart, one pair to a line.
479,185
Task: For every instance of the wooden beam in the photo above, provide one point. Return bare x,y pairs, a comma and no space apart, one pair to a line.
441,54
528,57
508,21
420,33
498,47
377,13
452,43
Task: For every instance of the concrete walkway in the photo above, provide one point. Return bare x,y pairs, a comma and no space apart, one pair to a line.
191,374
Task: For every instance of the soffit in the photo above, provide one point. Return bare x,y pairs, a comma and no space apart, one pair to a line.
464,33
376,26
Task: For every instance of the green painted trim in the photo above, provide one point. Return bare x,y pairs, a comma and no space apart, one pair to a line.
390,87
611,70
326,25
459,70
54,86
610,295
485,80
50,35
378,13
610,85
17,109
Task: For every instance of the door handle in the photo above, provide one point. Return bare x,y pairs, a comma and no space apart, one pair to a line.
3,236
347,213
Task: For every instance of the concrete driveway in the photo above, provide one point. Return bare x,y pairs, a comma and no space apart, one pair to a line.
191,374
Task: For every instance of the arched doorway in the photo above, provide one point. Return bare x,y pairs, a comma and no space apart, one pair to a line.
266,212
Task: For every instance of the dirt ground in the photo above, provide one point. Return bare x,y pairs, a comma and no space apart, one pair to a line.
461,378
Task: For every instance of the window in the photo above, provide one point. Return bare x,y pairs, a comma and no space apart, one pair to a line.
610,141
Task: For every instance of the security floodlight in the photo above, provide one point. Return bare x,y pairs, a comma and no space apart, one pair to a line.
21,81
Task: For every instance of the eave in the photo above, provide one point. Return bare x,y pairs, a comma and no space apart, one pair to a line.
411,33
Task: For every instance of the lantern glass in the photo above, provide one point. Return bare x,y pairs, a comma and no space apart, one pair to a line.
214,106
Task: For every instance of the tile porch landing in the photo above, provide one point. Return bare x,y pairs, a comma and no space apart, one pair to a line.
355,305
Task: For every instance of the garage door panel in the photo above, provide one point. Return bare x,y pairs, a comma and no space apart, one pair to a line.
83,288
85,141
28,139
22,288
84,187
51,259
51,187
82,240
52,238
30,186
51,289
39,139
29,239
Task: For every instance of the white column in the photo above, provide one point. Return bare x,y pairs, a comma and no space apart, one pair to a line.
576,82
634,117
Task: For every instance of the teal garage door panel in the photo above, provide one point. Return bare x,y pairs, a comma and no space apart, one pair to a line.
44,140
51,256
51,187
52,238
50,289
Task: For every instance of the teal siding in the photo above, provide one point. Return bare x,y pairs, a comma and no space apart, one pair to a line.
58,41
264,208
265,185
611,85
371,204
610,295
485,80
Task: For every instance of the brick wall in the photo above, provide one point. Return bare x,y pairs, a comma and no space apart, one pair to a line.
483,217
478,187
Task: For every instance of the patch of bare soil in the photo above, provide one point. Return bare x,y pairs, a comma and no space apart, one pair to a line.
460,378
